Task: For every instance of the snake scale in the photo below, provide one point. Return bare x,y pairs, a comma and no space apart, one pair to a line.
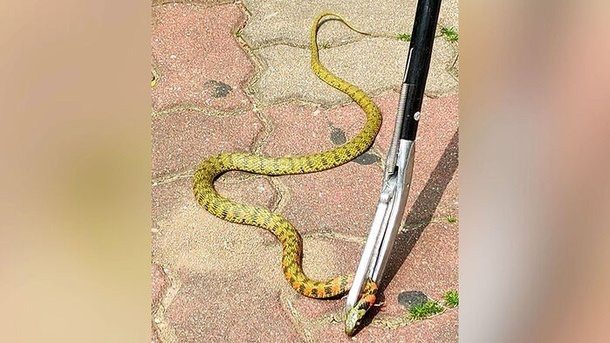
290,239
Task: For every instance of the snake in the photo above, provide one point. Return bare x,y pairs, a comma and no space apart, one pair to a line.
292,245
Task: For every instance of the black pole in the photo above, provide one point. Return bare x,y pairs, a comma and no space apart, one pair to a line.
418,63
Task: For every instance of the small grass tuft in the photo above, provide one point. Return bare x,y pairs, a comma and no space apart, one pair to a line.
450,34
451,298
451,219
425,310
404,37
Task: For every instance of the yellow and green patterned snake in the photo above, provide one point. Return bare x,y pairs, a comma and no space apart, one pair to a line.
292,248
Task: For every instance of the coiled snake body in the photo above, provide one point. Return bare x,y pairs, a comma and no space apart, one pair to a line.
290,239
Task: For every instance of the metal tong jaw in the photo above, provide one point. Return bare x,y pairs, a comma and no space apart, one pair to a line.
390,208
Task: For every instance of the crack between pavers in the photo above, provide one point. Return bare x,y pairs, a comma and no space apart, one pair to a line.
190,2
160,180
165,331
452,70
282,192
232,179
209,111
331,105
295,317
344,42
258,63
263,136
329,234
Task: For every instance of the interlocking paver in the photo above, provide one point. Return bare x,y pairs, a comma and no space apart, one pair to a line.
338,199
175,197
221,308
288,73
286,22
372,64
198,60
189,238
181,140
220,266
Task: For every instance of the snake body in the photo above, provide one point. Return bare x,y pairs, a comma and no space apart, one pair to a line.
290,239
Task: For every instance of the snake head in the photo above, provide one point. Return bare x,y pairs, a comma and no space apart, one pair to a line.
355,314
353,319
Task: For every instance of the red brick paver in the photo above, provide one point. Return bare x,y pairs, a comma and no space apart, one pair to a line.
198,60
180,141
218,308
430,264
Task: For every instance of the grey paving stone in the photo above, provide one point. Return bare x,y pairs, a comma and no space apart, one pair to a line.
374,64
289,22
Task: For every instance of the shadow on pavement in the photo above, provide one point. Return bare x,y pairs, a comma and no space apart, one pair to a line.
422,210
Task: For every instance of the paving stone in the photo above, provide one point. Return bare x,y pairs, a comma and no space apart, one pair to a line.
180,141
288,22
343,199
372,64
175,196
215,307
198,59
220,266
299,129
439,329
188,237
159,285
340,199
430,265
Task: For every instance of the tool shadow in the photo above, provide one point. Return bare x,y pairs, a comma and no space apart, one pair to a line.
423,210
420,215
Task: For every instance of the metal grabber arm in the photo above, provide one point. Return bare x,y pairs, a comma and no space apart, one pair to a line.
399,162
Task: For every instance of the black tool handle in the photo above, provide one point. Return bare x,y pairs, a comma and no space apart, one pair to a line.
418,63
